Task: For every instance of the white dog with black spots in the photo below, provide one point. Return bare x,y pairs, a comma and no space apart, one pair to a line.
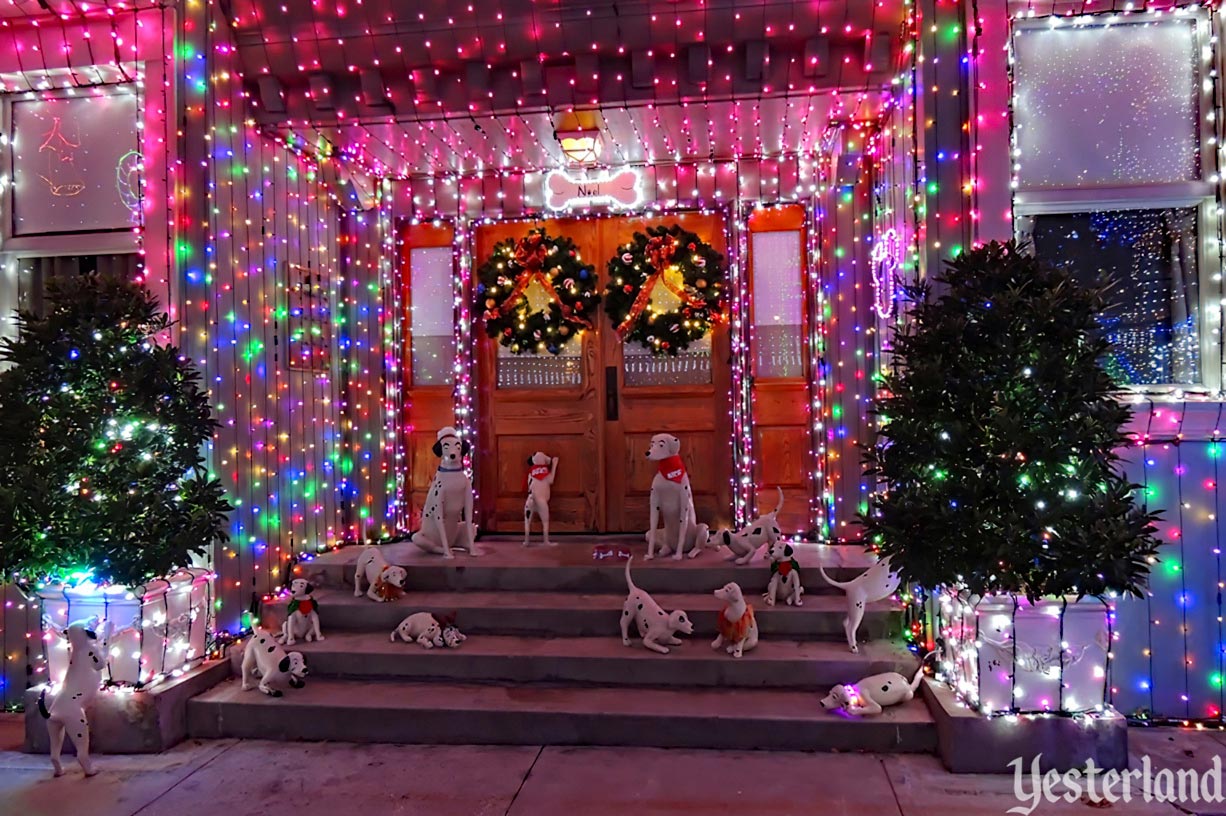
265,659
68,713
447,519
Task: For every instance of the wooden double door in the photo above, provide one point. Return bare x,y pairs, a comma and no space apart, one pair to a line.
597,405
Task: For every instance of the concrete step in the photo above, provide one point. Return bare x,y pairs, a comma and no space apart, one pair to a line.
451,713
572,567
570,614
603,661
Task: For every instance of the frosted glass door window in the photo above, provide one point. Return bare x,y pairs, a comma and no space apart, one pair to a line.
1102,105
563,370
689,367
778,305
432,328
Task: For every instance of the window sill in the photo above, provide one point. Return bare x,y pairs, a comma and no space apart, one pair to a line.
1165,418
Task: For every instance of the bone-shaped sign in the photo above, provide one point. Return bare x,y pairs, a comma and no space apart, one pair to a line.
620,189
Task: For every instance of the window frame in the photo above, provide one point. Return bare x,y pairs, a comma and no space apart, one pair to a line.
112,241
1202,193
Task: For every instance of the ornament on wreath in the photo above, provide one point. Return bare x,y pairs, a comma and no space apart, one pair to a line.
535,293
677,266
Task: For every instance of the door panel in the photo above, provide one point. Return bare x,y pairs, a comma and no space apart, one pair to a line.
604,478
427,408
697,414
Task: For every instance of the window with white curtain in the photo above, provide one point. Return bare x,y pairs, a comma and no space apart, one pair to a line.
778,305
1109,118
432,310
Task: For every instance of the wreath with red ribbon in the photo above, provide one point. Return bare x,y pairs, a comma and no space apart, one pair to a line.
553,262
681,262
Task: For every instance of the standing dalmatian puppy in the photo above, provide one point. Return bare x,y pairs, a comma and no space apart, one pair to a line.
68,712
447,520
539,483
671,497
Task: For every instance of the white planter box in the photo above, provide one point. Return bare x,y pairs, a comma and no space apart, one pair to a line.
1005,654
150,632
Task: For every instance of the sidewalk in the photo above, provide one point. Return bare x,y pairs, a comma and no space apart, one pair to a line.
258,778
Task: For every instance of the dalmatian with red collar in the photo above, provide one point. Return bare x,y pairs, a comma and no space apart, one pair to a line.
385,582
303,618
539,484
672,499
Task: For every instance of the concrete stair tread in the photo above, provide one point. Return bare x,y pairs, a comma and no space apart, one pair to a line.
605,648
702,704
603,661
415,600
500,551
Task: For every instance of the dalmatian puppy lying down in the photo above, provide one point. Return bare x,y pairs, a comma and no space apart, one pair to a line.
875,693
655,626
745,542
264,658
421,628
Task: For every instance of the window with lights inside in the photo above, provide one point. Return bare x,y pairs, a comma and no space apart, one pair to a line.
1115,177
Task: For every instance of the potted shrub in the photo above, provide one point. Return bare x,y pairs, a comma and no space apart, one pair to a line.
105,500
997,449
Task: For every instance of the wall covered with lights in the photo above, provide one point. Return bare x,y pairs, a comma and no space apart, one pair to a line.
1168,660
264,315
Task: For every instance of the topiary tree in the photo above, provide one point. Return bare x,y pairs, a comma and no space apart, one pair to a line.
997,438
100,465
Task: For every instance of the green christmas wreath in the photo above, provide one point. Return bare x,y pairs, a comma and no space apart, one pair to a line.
683,264
551,262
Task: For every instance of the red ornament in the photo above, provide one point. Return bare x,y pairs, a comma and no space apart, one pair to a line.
627,288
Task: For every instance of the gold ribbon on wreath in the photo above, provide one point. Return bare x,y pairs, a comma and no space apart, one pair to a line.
530,255
659,251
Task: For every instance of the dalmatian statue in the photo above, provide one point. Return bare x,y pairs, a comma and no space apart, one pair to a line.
876,583
745,542
785,575
447,519
737,626
302,620
655,626
672,500
68,712
386,582
421,628
875,693
264,658
541,472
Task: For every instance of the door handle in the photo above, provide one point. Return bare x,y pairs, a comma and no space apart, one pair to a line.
610,394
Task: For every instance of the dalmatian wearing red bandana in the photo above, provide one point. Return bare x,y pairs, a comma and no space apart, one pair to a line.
672,501
785,574
303,618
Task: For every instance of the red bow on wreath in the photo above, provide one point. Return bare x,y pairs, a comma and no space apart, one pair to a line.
530,254
659,251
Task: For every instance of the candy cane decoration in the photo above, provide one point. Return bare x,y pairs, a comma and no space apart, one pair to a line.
884,258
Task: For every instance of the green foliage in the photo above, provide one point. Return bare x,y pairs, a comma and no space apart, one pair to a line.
508,315
997,438
703,274
100,464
